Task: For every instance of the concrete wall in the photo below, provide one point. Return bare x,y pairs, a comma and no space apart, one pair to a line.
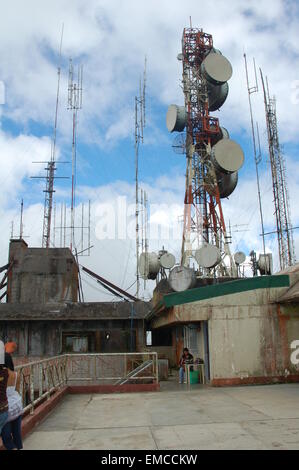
41,275
250,335
37,339
251,343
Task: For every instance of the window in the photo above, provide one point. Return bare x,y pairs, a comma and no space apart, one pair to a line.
148,338
78,342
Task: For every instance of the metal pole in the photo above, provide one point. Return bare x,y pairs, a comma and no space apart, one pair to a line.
256,159
137,138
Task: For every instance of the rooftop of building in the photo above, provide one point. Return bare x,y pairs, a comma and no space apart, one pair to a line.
74,311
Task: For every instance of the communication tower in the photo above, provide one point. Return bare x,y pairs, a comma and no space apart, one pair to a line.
284,228
213,159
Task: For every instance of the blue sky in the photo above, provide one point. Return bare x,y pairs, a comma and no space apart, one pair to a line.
110,39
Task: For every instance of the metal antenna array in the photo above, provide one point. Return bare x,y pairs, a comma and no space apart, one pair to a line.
75,88
139,128
284,228
50,169
82,227
203,214
257,157
144,226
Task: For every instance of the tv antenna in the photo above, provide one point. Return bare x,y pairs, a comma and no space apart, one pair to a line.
51,166
139,128
75,88
257,156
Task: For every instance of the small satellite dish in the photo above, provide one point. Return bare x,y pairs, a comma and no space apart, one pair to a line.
167,261
180,56
239,257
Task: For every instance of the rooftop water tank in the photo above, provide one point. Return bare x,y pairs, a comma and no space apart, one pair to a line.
149,265
182,278
227,183
176,118
216,68
208,256
227,156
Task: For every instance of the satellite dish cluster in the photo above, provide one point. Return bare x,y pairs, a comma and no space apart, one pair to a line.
181,278
226,155
150,264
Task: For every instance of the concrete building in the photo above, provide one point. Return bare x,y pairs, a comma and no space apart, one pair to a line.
51,329
243,330
43,315
41,275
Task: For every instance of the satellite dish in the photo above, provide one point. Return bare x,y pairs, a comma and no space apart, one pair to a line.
180,56
208,256
227,184
181,278
179,144
149,265
265,264
176,118
239,257
216,68
167,261
227,156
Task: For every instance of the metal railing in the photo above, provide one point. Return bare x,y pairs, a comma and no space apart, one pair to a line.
40,379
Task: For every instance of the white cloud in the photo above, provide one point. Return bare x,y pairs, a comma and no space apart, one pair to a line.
111,38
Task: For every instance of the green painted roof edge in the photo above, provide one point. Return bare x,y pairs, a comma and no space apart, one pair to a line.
226,288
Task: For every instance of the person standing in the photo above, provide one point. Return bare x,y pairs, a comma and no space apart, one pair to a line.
186,358
12,430
10,348
3,387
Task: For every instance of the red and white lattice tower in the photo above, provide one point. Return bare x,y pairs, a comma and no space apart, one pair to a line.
203,216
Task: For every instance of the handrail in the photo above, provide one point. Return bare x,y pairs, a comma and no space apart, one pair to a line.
40,379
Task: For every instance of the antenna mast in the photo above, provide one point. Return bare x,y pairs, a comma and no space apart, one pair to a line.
139,127
257,158
50,169
21,220
74,104
280,191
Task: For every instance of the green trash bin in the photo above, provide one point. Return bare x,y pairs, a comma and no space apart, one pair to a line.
194,377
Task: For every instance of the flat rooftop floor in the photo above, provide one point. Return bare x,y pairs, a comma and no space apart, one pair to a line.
255,417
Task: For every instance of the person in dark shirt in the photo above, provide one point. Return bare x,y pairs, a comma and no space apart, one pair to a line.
3,386
186,358
9,362
10,348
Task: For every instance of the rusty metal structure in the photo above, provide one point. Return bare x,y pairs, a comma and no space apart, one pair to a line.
284,228
203,215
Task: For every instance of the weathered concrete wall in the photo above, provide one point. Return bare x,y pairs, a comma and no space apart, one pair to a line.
165,352
41,275
37,339
250,334
252,342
